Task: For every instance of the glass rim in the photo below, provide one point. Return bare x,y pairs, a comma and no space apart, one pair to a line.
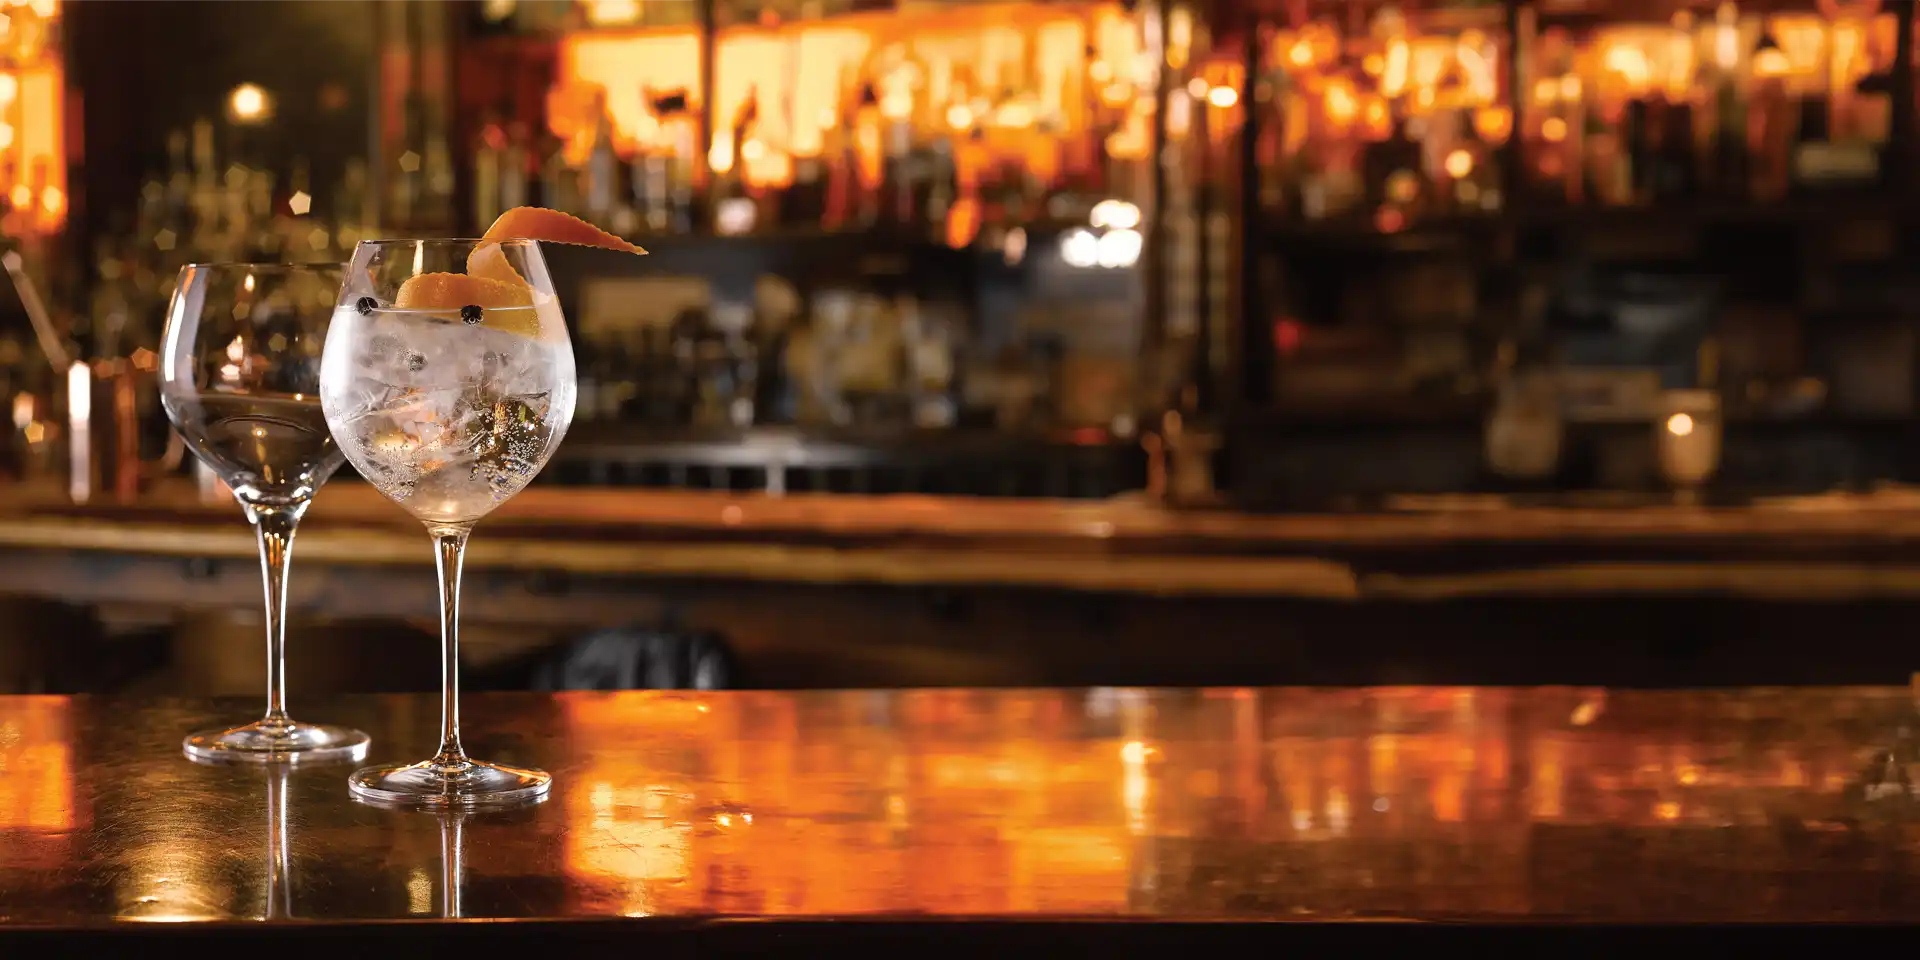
450,241
264,265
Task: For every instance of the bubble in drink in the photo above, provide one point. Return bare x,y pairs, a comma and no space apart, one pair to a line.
447,418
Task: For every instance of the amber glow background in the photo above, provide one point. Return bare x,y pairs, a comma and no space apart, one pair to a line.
799,75
33,160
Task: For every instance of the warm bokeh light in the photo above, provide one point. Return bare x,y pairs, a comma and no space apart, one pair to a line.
249,103
1680,424
1114,213
1493,124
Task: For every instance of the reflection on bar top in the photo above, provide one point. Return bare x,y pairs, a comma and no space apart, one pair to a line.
1218,803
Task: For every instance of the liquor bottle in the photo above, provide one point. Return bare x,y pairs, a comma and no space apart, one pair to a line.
899,176
602,187
489,173
730,184
1479,187
804,202
559,184
204,175
867,153
1730,160
1812,142
436,174
1391,167
842,187
516,164
1679,164
1727,153
352,213
941,190
1639,135
587,388
686,332
179,182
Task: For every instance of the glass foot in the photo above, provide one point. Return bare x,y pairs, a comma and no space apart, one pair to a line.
435,785
286,742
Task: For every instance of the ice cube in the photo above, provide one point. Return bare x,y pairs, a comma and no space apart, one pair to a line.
360,397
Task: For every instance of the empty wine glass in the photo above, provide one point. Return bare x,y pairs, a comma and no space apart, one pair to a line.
449,407
240,379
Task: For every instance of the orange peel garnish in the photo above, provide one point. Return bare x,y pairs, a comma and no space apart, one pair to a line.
552,226
536,223
445,294
451,291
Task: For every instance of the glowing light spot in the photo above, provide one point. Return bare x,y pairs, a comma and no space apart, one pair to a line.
1772,63
1080,248
1680,425
1117,214
248,103
1119,248
1459,163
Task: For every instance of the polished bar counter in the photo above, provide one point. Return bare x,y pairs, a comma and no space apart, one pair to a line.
979,817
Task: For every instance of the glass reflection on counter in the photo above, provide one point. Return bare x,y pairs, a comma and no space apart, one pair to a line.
36,767
38,813
948,808
633,831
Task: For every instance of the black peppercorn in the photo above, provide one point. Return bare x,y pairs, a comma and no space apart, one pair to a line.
470,314
365,305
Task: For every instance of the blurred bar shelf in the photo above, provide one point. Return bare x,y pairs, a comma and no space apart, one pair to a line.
1083,465
1135,821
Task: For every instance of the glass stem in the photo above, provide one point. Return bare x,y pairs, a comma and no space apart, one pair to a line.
450,550
454,874
275,526
279,873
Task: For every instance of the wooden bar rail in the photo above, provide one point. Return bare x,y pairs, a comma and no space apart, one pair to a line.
1825,547
847,591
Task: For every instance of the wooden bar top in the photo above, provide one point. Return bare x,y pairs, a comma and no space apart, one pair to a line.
1078,806
1833,546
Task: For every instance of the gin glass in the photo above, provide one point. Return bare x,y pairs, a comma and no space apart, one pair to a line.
449,409
240,379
